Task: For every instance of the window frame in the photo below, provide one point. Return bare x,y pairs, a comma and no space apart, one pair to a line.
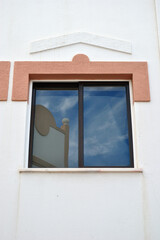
47,85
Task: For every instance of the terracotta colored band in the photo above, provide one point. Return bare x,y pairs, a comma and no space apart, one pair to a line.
81,68
4,80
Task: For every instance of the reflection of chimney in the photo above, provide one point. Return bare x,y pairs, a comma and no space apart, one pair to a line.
65,121
65,127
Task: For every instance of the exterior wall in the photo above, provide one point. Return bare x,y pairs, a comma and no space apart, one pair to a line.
79,205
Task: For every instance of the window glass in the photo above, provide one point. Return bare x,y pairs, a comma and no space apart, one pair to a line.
50,149
106,141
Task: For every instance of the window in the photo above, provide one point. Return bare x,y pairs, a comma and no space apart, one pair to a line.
85,124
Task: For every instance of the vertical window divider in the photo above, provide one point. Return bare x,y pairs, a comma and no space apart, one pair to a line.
80,129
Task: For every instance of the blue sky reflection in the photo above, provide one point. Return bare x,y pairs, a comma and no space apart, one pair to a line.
105,127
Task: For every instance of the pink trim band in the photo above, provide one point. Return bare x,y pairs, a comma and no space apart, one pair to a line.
81,68
4,80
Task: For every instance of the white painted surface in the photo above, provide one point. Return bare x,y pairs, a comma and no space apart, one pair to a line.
81,37
157,11
81,170
88,206
69,207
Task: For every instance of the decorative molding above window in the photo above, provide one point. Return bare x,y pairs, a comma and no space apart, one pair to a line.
83,69
81,37
4,80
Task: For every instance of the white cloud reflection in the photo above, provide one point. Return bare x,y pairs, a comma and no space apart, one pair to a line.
67,104
106,131
55,104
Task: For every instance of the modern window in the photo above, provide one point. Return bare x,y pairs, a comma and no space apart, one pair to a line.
83,124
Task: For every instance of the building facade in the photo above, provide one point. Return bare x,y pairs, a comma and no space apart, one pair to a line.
75,45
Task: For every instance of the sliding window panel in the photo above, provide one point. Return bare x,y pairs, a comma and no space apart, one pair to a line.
55,131
107,140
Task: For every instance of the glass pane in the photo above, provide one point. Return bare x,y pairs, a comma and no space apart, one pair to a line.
106,141
55,142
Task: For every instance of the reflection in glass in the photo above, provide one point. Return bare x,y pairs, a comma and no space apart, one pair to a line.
55,142
106,141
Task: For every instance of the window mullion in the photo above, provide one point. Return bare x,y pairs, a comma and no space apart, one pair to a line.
81,155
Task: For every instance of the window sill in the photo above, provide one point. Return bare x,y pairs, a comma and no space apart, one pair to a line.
81,170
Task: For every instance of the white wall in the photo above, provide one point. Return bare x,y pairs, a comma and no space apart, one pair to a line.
80,205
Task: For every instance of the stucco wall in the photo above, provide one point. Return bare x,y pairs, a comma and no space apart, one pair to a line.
80,205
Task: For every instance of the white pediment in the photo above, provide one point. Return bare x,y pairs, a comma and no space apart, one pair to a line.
81,37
